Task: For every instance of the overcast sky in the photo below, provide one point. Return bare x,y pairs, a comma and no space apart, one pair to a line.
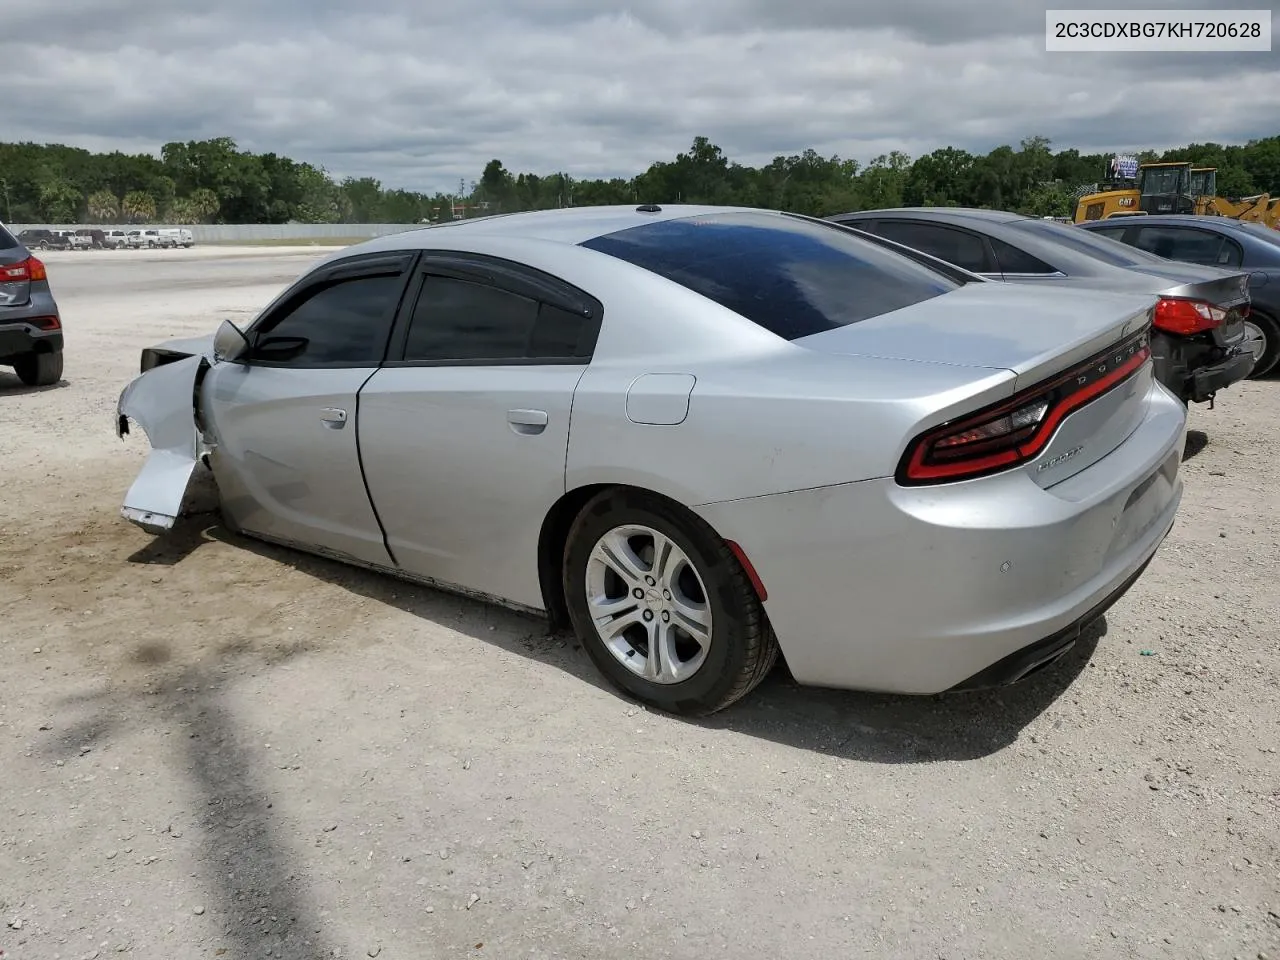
421,92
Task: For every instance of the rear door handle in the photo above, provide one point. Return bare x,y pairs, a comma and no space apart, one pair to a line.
527,421
333,417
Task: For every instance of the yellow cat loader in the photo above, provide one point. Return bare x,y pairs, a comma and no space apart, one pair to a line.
1175,187
1259,208
1158,188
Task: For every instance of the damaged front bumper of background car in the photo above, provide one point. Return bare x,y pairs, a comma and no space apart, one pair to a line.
164,401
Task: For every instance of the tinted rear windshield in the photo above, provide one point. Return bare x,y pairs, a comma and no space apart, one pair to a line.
1102,248
6,239
793,277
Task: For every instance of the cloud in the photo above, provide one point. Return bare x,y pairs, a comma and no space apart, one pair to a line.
420,94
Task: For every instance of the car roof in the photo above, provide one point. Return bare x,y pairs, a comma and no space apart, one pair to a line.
951,213
1175,219
567,225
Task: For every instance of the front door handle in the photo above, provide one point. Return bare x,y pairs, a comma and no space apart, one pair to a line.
527,421
333,417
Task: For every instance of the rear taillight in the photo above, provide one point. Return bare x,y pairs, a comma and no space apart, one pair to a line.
1014,431
28,269
44,323
1186,317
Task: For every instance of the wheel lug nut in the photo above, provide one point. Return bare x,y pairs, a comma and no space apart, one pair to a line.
666,594
648,615
666,617
650,581
638,593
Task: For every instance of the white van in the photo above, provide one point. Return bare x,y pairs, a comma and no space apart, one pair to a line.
176,237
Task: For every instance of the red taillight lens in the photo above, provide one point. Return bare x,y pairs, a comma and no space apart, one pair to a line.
1016,430
1186,317
28,269
45,323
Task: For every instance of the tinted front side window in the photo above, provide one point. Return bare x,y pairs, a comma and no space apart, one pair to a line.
793,277
963,249
346,322
469,320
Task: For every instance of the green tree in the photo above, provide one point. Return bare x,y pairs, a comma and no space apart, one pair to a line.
103,207
138,206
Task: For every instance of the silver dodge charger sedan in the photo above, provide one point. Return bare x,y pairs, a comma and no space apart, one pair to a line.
697,437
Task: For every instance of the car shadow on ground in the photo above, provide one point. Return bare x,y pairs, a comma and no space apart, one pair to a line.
249,871
1197,440
858,726
11,386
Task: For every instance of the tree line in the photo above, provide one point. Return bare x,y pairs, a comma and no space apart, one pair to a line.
214,181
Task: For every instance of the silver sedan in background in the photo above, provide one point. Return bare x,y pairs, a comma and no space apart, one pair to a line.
696,436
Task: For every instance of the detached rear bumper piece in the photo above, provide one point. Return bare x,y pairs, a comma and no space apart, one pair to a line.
1205,381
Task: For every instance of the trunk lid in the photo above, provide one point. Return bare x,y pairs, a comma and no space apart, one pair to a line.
1223,288
1041,336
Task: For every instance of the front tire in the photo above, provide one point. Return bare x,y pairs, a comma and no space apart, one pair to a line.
662,605
39,369
1264,336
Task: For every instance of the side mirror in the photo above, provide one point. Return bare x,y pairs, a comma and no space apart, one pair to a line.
229,343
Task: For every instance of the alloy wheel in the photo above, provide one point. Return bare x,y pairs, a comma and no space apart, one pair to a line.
648,604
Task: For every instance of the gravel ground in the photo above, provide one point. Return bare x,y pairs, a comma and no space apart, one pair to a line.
214,748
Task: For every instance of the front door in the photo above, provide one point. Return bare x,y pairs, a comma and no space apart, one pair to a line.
283,420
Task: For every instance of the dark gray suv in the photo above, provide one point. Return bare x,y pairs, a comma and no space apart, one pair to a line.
30,325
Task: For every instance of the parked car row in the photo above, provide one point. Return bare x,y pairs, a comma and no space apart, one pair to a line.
701,438
92,239
1201,340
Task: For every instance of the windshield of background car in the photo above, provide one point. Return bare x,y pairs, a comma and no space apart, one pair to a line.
1089,243
793,277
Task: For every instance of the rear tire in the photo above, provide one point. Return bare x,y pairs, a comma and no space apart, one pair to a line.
697,638
39,369
1259,325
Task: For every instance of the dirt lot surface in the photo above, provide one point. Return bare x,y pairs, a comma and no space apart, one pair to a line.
213,748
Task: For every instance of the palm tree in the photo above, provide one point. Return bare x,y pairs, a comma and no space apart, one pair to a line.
104,206
139,206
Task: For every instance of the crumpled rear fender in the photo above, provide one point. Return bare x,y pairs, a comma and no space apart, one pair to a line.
164,402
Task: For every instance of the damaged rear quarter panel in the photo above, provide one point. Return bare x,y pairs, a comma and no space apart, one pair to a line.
163,401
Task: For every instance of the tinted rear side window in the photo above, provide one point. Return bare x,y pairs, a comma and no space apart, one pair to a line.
1015,260
6,239
793,277
954,246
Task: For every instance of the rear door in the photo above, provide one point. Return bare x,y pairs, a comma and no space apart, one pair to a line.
1189,245
283,421
465,430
